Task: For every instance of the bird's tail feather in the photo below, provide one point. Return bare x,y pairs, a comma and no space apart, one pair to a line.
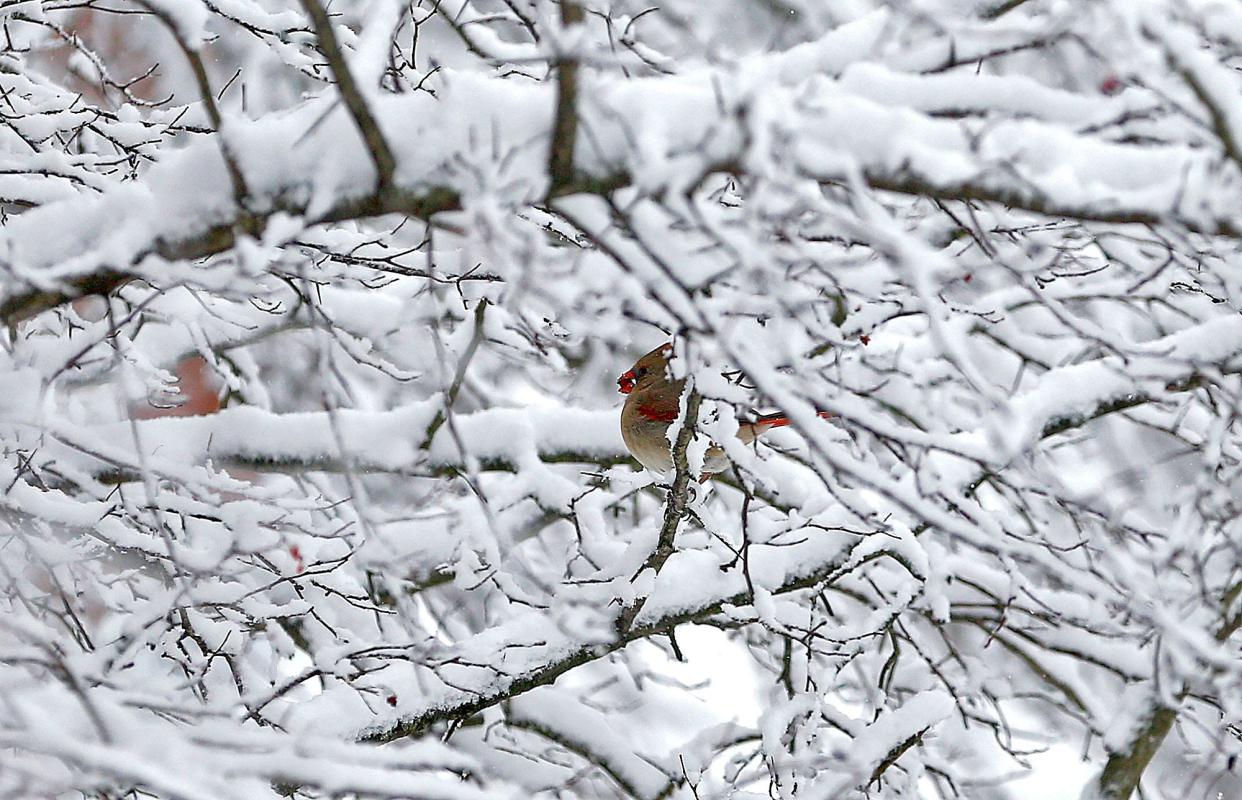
780,420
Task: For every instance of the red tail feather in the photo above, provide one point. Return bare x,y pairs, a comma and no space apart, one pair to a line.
780,420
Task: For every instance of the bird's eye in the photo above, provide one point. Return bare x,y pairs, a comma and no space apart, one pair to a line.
641,371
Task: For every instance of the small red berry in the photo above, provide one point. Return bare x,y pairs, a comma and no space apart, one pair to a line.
865,339
392,699
1110,85
968,277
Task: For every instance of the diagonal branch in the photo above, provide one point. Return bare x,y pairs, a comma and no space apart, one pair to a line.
567,655
195,60
561,718
1211,82
368,126
450,396
675,505
1126,765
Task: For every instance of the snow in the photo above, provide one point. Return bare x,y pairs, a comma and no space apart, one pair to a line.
577,726
409,554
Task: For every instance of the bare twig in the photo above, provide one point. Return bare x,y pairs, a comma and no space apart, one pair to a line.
463,363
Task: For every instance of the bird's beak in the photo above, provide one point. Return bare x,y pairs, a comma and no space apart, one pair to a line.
625,384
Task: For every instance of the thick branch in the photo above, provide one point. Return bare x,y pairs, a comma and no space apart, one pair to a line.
1124,769
565,124
703,142
303,442
222,237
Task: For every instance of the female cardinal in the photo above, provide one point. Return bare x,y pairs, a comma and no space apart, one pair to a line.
652,404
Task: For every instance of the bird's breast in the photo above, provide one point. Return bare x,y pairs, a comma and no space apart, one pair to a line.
646,438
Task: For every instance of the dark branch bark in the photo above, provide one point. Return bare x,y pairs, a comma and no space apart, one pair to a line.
565,124
368,126
222,237
236,179
1124,769
894,754
1001,9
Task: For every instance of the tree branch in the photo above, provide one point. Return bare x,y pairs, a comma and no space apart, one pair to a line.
469,702
712,144
368,126
219,238
1124,769
195,60
227,439
565,123
675,504
1001,9
679,494
450,396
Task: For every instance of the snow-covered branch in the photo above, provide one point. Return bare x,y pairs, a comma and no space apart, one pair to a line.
866,122
311,476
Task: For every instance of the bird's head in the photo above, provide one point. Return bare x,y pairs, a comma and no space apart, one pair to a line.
647,371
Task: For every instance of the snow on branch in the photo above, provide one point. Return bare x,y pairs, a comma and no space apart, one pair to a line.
373,441
322,492
480,672
691,125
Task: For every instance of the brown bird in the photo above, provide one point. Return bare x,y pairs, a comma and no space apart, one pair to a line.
652,403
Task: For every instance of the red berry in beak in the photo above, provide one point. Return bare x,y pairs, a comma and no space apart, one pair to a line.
625,384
